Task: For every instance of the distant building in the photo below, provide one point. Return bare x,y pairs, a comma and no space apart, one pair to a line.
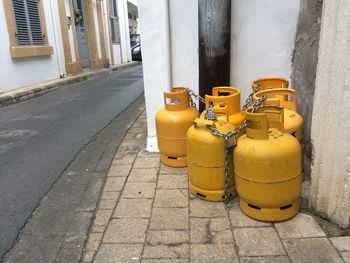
44,40
133,16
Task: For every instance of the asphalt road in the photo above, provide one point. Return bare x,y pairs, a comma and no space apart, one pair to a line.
41,136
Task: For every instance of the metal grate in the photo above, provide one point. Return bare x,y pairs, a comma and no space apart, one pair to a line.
27,21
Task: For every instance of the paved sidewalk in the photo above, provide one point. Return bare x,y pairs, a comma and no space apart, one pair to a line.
146,214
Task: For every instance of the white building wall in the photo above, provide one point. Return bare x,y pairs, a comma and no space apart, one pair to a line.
117,54
184,43
124,30
262,42
155,68
55,18
16,73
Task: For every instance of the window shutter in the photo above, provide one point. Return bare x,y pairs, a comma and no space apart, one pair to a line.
22,30
115,30
35,23
27,21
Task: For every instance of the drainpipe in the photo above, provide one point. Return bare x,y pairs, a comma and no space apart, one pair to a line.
167,46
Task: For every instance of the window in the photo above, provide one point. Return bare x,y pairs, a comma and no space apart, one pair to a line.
27,22
26,28
114,22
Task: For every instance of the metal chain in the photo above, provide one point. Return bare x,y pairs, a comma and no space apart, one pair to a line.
194,95
250,98
230,137
230,143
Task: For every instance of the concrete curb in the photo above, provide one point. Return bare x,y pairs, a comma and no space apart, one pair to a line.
21,94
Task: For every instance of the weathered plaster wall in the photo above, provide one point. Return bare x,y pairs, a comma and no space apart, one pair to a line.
304,67
262,40
330,171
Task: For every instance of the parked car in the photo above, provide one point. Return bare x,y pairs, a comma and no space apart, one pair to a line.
135,43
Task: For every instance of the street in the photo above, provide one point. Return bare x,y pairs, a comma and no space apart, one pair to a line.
41,137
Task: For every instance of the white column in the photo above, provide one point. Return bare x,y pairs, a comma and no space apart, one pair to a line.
155,65
330,134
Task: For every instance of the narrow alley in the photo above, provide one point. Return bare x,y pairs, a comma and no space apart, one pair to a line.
41,137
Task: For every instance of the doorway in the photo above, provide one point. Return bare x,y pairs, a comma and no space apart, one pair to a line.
80,25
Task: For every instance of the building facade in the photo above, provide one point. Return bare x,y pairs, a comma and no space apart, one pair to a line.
133,16
45,40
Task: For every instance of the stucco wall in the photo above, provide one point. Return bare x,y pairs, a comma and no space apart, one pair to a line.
330,171
262,40
304,67
124,30
16,73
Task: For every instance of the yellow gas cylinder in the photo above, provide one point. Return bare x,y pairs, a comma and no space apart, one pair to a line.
267,163
226,103
172,123
270,83
286,98
206,160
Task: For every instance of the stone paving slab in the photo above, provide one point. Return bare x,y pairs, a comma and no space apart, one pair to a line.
208,253
165,261
133,208
210,230
169,218
346,256
113,253
147,214
258,242
341,243
301,226
239,219
139,190
172,181
166,251
200,208
317,250
275,259
143,175
119,170
171,198
126,230
155,237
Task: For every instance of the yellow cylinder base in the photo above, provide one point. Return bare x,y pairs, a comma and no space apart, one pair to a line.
269,214
210,195
174,162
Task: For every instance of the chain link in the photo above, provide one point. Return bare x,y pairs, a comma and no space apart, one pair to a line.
250,98
230,143
194,95
230,137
